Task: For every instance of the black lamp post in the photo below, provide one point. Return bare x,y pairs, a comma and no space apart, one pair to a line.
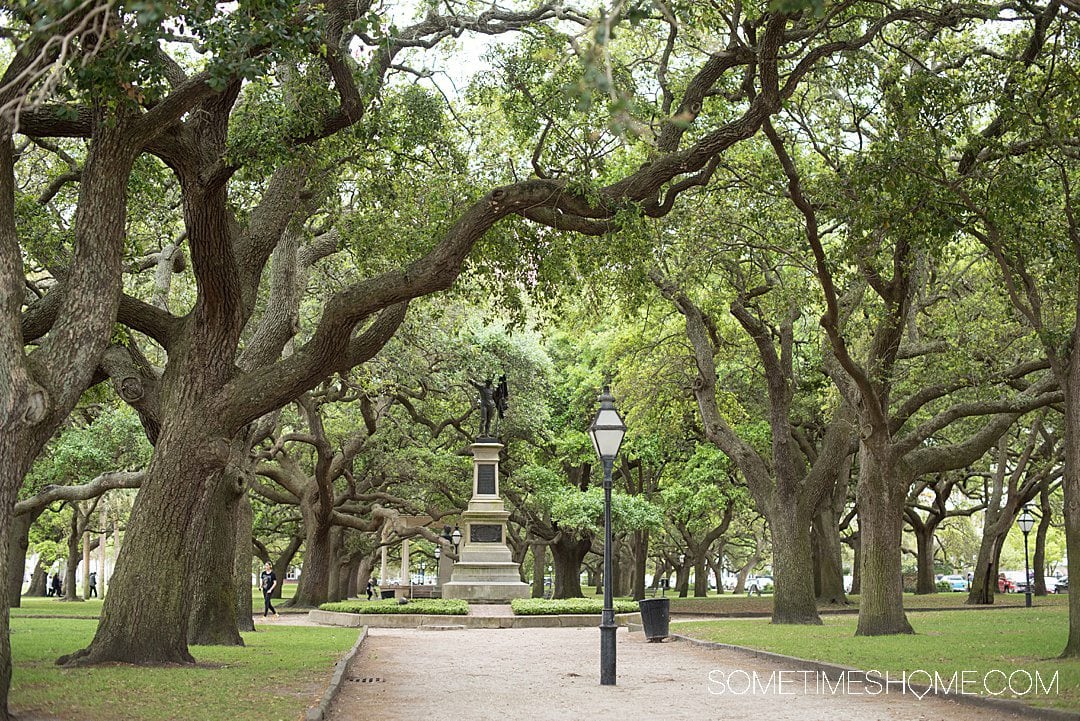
455,537
607,431
1026,521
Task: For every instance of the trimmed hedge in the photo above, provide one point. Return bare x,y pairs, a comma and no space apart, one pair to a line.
429,606
561,606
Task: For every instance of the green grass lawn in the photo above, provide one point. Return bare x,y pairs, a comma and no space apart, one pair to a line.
279,673
43,606
945,641
731,604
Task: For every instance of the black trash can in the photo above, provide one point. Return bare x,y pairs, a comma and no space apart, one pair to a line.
655,614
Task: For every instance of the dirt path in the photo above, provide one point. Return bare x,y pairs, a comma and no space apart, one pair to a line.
553,674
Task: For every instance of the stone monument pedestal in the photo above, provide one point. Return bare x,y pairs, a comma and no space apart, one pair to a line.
485,571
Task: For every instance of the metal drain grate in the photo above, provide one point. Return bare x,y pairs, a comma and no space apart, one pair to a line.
364,679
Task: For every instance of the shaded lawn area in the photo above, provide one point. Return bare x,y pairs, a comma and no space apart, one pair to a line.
731,604
31,606
945,641
281,671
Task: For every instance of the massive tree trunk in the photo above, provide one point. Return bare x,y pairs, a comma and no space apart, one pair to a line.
315,583
827,546
242,563
567,553
1071,480
794,600
828,558
164,544
881,497
214,619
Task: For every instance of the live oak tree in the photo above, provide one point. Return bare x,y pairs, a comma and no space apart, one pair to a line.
786,488
928,505
892,433
1026,459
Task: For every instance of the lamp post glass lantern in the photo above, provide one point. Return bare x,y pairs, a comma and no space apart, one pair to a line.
456,538
607,431
1026,522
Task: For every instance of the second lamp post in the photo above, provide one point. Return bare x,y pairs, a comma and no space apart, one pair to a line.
1026,521
607,431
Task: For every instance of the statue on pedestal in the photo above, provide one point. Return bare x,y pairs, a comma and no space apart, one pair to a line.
492,400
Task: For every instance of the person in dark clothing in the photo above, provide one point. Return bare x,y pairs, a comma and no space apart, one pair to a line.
57,586
93,583
370,589
268,582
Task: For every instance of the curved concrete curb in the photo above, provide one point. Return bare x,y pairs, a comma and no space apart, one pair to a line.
319,712
1019,708
418,620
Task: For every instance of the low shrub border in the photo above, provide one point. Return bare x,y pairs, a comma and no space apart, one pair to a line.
429,606
564,606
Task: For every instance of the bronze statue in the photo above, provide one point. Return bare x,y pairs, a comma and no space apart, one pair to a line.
487,405
491,399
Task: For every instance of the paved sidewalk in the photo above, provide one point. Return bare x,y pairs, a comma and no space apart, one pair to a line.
553,675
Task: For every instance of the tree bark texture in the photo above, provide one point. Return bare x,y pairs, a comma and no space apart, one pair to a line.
794,600
539,553
567,553
245,517
18,543
214,620
924,555
881,499
313,588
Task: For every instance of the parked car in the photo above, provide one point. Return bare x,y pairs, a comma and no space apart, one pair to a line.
1062,585
1050,581
956,582
759,585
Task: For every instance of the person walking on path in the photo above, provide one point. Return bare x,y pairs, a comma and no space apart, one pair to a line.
268,582
93,584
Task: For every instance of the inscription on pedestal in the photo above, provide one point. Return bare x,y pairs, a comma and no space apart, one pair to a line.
485,533
485,479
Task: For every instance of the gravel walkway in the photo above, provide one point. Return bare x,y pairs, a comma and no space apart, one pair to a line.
553,674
